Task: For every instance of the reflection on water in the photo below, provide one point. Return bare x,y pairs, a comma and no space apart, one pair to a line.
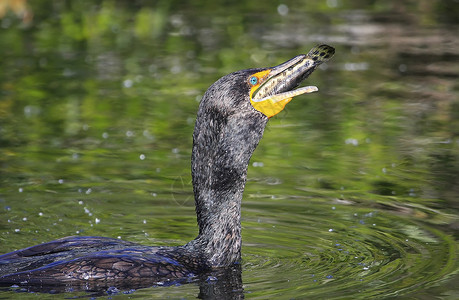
339,249
352,192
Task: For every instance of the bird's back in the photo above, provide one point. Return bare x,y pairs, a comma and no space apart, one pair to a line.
96,260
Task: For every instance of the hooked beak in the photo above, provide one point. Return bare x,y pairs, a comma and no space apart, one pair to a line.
276,85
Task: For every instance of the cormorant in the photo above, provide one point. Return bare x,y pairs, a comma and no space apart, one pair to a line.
230,122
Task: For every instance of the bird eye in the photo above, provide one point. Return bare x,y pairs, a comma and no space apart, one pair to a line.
253,80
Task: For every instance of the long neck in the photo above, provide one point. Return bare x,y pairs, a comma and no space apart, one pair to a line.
222,147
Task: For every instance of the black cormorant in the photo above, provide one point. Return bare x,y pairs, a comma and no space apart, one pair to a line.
230,122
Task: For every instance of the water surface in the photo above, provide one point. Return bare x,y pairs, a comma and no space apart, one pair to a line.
352,192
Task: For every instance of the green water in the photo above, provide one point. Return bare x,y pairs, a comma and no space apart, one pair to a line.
352,193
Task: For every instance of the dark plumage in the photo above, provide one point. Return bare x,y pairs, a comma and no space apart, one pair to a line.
228,127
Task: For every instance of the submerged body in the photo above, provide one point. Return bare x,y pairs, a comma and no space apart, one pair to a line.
100,260
231,119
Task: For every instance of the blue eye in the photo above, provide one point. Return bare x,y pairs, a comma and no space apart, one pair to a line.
253,80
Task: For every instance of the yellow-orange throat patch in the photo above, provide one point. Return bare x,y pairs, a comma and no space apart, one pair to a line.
268,107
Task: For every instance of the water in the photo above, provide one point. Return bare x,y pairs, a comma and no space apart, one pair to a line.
352,192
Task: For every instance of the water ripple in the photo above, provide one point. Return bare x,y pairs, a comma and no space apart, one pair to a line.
316,251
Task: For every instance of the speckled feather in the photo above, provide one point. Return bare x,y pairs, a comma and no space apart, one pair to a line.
97,259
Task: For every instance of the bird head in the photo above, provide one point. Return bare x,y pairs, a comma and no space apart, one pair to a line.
268,89
272,88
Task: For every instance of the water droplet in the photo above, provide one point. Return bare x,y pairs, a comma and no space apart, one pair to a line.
402,68
128,83
352,141
258,164
282,9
